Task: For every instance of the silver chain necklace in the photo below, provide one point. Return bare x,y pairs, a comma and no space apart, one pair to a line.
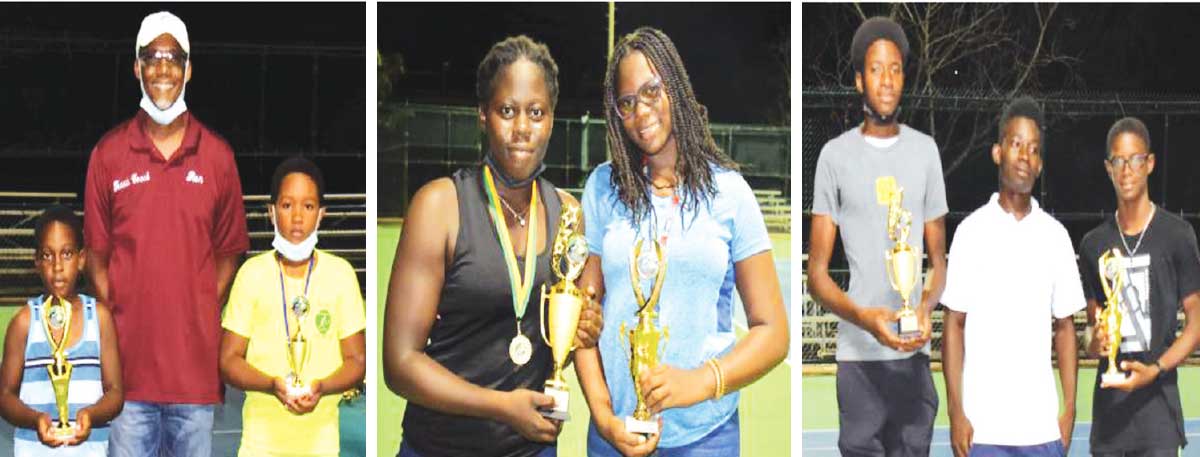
520,217
1145,228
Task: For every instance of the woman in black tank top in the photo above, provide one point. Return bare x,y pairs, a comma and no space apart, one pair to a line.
457,345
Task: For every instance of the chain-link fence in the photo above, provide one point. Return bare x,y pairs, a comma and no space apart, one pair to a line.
418,143
1074,186
84,86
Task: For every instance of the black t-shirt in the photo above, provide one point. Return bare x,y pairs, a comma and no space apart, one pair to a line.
474,327
1163,270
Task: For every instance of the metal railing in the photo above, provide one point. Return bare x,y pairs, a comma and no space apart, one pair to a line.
343,233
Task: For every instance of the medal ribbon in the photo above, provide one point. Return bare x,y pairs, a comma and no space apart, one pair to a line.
520,285
287,332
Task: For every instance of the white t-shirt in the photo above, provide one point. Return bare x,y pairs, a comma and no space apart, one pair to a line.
1011,278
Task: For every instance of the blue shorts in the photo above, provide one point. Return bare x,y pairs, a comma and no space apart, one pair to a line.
1051,449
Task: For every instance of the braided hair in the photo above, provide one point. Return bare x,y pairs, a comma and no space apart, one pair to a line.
697,151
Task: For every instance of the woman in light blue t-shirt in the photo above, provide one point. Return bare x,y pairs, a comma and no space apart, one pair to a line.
669,182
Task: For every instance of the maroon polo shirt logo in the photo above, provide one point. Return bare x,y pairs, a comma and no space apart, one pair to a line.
134,178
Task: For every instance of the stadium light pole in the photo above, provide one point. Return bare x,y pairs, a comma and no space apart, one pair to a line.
612,26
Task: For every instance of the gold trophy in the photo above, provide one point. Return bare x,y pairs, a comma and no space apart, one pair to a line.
565,302
298,351
644,339
903,263
58,315
1112,277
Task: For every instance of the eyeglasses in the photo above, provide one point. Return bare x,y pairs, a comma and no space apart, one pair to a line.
649,93
1134,162
152,57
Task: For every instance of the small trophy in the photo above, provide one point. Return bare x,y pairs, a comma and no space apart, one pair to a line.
1112,277
903,263
644,339
565,302
298,351
58,316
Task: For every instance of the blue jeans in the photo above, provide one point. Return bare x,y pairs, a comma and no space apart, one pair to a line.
724,441
161,429
406,451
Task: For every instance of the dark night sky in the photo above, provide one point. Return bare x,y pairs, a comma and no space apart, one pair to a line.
57,101
292,23
728,49
1130,50
1141,47
1128,47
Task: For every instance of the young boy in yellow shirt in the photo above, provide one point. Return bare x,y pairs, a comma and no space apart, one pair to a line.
294,327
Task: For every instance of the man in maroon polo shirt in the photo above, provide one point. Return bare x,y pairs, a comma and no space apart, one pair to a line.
165,227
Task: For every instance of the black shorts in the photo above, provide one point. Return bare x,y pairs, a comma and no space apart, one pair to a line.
886,408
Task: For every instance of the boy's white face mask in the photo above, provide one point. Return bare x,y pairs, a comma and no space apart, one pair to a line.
294,252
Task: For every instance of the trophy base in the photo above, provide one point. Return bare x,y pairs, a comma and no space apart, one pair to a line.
62,434
298,391
644,427
1113,378
559,410
908,327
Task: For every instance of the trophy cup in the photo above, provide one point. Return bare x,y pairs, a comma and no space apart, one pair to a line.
644,338
58,315
903,264
565,303
1112,278
298,351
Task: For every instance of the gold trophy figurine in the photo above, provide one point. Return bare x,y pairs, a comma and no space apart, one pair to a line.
1112,277
644,339
58,315
903,263
298,351
565,303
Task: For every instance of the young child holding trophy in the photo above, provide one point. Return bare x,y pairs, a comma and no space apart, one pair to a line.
294,327
63,341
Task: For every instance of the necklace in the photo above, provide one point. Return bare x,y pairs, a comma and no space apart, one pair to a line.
520,217
1145,228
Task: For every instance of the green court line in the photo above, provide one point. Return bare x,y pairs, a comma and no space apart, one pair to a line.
764,408
820,409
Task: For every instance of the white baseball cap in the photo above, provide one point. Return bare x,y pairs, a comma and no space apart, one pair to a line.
159,23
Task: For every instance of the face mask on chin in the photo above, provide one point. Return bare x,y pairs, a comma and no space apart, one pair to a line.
294,252
879,118
508,181
161,116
